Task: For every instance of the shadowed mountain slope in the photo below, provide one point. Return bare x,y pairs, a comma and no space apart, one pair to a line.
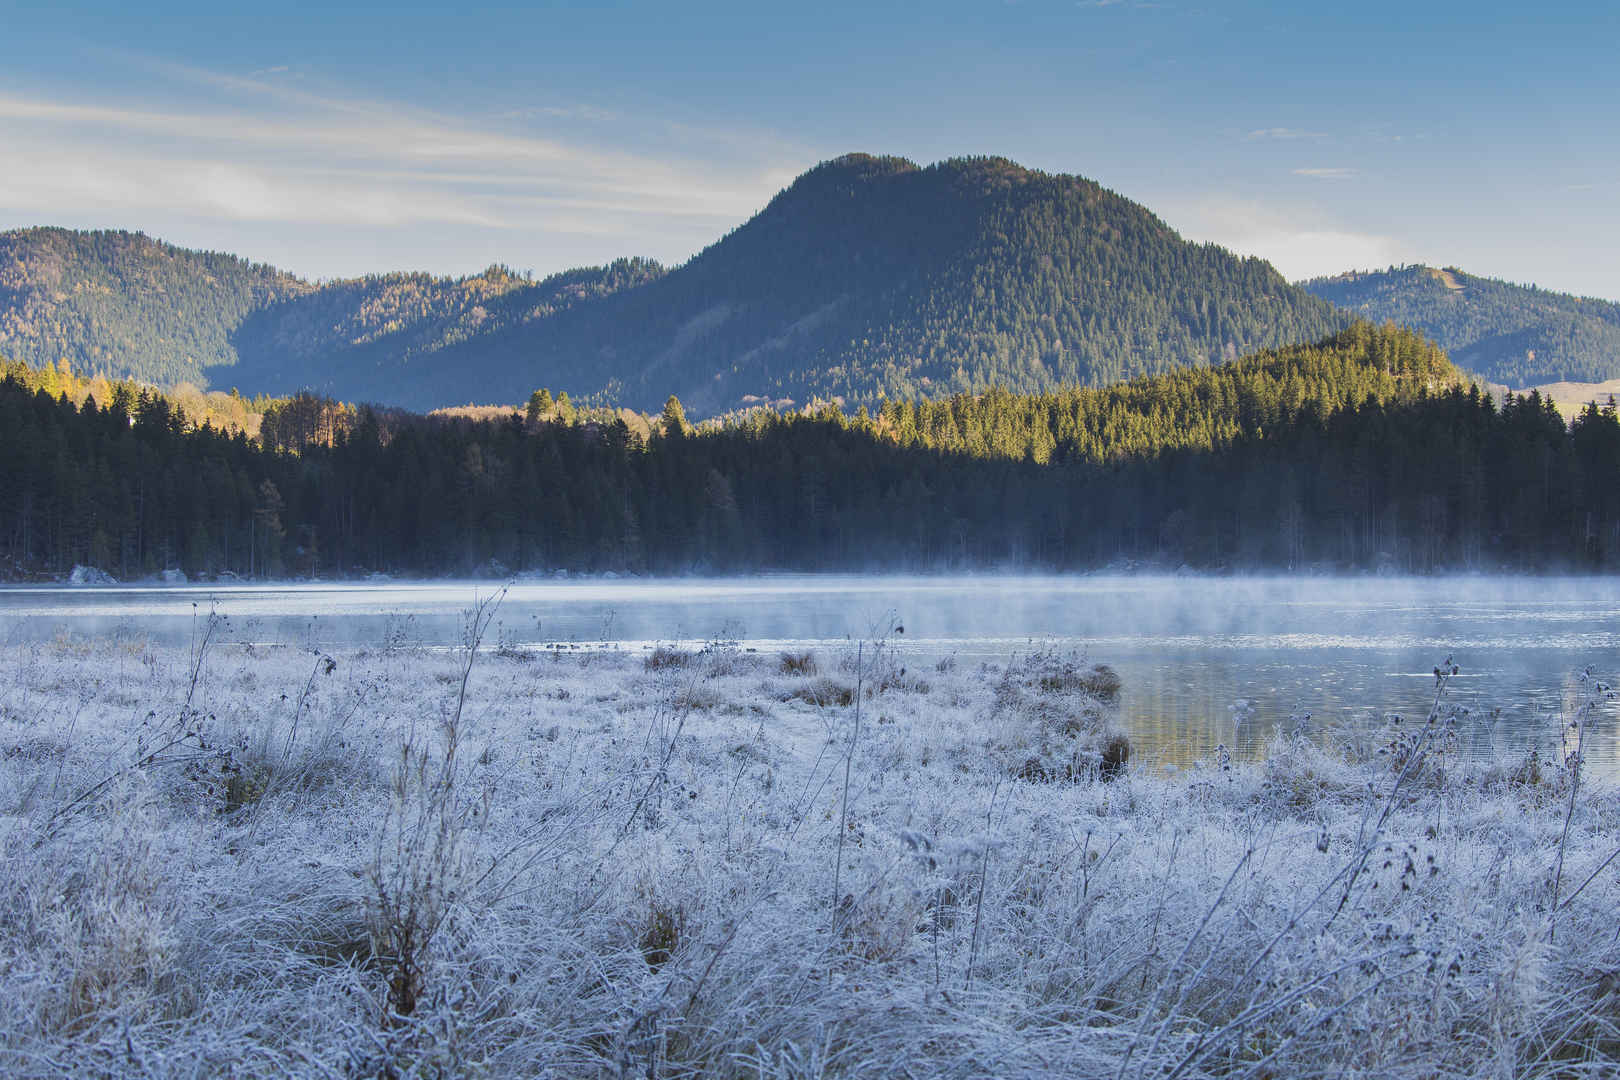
1514,334
868,278
871,277
126,305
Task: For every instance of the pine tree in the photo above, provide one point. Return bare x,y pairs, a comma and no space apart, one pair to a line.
539,406
673,419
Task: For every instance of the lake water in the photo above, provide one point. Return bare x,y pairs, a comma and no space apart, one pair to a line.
1346,650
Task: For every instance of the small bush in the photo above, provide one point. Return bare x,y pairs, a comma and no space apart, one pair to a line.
801,664
697,697
508,651
721,658
245,786
1528,774
1116,754
896,678
663,658
1100,681
1106,764
823,692
1051,723
662,933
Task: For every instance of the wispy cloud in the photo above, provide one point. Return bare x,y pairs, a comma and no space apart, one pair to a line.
1299,242
265,151
562,112
1328,174
1260,134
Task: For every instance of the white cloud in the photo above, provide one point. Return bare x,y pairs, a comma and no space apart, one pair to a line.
1328,174
268,153
1299,243
562,112
1283,133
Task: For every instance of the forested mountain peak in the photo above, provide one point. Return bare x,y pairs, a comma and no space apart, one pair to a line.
849,168
865,279
872,277
1520,335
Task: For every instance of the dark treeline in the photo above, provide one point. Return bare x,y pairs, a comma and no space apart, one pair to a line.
1363,452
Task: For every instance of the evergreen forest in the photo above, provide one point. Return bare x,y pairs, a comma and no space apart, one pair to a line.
1366,451
1517,335
868,278
124,305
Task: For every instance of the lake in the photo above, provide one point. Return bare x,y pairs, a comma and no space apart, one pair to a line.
1346,650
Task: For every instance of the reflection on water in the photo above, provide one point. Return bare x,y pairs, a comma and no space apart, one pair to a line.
1346,650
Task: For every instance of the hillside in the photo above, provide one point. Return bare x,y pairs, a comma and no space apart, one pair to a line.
413,339
125,305
867,278
1514,334
1198,409
871,277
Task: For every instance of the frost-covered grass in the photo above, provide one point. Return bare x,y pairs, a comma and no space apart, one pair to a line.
261,862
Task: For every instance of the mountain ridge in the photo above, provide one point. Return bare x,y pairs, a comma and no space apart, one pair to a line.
1518,335
866,278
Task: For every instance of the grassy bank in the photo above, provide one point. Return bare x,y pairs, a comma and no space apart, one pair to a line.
254,861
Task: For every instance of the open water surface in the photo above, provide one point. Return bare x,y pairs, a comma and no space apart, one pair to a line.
1346,650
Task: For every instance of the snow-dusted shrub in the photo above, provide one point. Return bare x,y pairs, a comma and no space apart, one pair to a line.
1301,773
823,692
1055,718
664,657
797,663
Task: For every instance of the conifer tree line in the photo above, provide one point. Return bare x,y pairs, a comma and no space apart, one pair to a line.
1520,335
1365,451
866,278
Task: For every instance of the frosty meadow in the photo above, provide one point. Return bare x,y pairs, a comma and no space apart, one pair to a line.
1050,539
389,860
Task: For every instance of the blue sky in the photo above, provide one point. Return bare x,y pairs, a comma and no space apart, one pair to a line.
336,139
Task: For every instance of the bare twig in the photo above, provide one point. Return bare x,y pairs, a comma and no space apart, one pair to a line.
843,805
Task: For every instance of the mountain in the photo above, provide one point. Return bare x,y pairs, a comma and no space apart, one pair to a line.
869,277
126,305
1514,334
414,339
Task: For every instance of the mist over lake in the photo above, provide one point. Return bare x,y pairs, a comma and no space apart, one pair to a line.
1190,650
